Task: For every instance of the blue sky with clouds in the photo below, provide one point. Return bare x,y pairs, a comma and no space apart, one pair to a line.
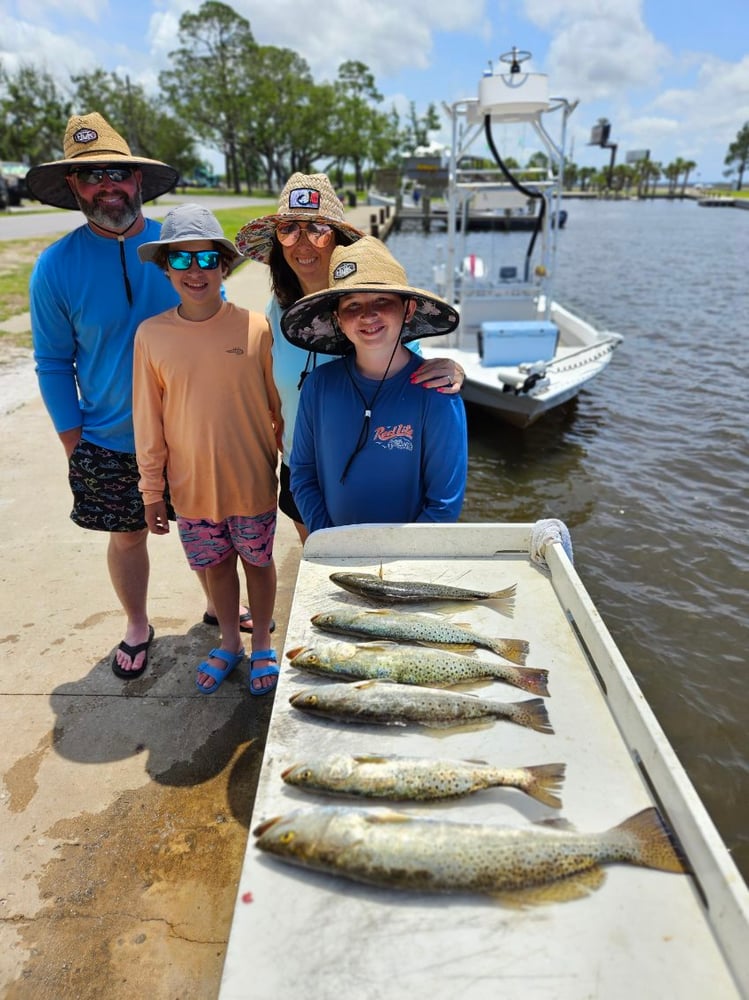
670,80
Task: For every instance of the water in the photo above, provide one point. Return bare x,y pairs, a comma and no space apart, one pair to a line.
649,468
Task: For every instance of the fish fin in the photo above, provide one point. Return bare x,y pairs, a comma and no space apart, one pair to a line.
455,647
386,645
531,713
370,758
563,890
381,574
372,682
508,594
514,650
387,817
532,679
657,846
545,781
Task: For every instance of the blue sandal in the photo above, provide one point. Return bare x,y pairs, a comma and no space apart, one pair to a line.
257,673
231,660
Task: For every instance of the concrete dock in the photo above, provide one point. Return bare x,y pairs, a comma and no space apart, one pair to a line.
124,806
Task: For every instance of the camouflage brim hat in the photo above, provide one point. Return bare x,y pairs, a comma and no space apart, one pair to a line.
90,139
186,224
305,197
365,266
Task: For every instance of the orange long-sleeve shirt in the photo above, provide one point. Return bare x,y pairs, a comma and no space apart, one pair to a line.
204,408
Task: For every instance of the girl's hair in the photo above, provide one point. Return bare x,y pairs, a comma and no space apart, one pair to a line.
284,282
159,257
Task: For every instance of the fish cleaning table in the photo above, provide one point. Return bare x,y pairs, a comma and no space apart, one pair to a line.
304,935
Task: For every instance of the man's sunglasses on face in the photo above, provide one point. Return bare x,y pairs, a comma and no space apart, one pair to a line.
95,175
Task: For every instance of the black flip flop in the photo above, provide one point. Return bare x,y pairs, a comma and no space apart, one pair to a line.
132,652
246,617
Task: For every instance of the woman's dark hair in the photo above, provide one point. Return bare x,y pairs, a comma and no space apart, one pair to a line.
284,282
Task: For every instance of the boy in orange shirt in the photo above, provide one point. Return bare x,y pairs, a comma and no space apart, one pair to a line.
207,413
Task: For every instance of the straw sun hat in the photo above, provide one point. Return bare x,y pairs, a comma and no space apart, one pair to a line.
90,139
365,266
305,197
186,224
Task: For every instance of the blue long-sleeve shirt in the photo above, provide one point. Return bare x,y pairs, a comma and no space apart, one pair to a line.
414,462
83,329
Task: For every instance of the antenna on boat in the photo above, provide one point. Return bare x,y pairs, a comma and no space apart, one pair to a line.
515,58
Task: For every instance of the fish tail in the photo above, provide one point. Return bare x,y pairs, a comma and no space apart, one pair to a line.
514,650
530,713
532,679
508,594
654,845
545,780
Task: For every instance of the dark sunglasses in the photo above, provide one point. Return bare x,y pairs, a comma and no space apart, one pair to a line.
95,175
181,260
318,233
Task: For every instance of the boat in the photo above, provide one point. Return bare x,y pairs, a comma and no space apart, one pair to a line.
297,932
523,352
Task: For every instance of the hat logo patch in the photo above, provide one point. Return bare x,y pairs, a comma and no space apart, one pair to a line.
85,135
304,198
344,270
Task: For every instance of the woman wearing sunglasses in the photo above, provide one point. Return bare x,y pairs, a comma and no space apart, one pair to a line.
297,242
206,411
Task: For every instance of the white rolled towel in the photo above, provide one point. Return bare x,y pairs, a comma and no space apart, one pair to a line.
545,532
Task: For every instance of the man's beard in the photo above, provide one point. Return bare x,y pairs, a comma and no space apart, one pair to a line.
116,219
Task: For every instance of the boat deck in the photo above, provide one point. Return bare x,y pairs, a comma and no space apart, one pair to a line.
643,933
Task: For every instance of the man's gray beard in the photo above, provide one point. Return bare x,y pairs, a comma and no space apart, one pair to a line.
118,220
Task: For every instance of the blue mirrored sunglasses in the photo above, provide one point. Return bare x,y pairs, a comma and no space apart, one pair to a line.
95,175
180,260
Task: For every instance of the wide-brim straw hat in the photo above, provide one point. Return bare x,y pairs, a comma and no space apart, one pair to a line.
305,197
90,139
186,224
364,266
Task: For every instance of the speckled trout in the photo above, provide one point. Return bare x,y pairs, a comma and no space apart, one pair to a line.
383,703
391,661
401,852
420,779
423,629
412,591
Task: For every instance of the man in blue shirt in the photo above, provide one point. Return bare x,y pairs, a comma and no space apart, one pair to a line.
369,446
89,292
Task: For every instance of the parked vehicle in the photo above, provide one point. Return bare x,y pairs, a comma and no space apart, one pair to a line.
4,196
14,175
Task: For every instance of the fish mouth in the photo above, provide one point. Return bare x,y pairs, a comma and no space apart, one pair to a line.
288,771
266,825
291,653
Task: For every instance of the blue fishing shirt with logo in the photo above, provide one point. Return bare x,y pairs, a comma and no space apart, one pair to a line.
412,467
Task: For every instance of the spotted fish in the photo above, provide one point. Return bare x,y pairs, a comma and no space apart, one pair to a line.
394,850
424,629
419,779
392,661
383,703
412,591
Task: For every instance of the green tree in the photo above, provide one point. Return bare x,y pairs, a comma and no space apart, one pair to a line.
209,76
33,115
737,157
416,132
356,120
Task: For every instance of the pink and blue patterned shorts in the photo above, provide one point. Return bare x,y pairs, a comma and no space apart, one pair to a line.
207,543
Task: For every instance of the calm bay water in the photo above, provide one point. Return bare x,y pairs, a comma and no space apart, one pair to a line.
649,468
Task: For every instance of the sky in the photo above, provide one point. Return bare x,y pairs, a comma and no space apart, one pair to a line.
670,81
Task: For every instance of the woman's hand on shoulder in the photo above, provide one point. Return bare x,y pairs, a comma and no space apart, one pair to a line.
442,374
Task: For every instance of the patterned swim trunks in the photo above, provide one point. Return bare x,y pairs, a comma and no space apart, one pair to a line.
105,489
207,543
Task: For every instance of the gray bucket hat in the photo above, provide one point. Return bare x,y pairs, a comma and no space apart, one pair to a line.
91,140
185,224
364,266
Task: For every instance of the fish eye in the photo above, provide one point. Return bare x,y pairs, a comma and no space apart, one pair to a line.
287,837
306,774
312,700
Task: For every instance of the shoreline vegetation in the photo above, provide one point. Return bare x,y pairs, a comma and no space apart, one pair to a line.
17,256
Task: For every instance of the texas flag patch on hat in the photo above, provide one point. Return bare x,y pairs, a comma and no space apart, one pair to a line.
304,198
